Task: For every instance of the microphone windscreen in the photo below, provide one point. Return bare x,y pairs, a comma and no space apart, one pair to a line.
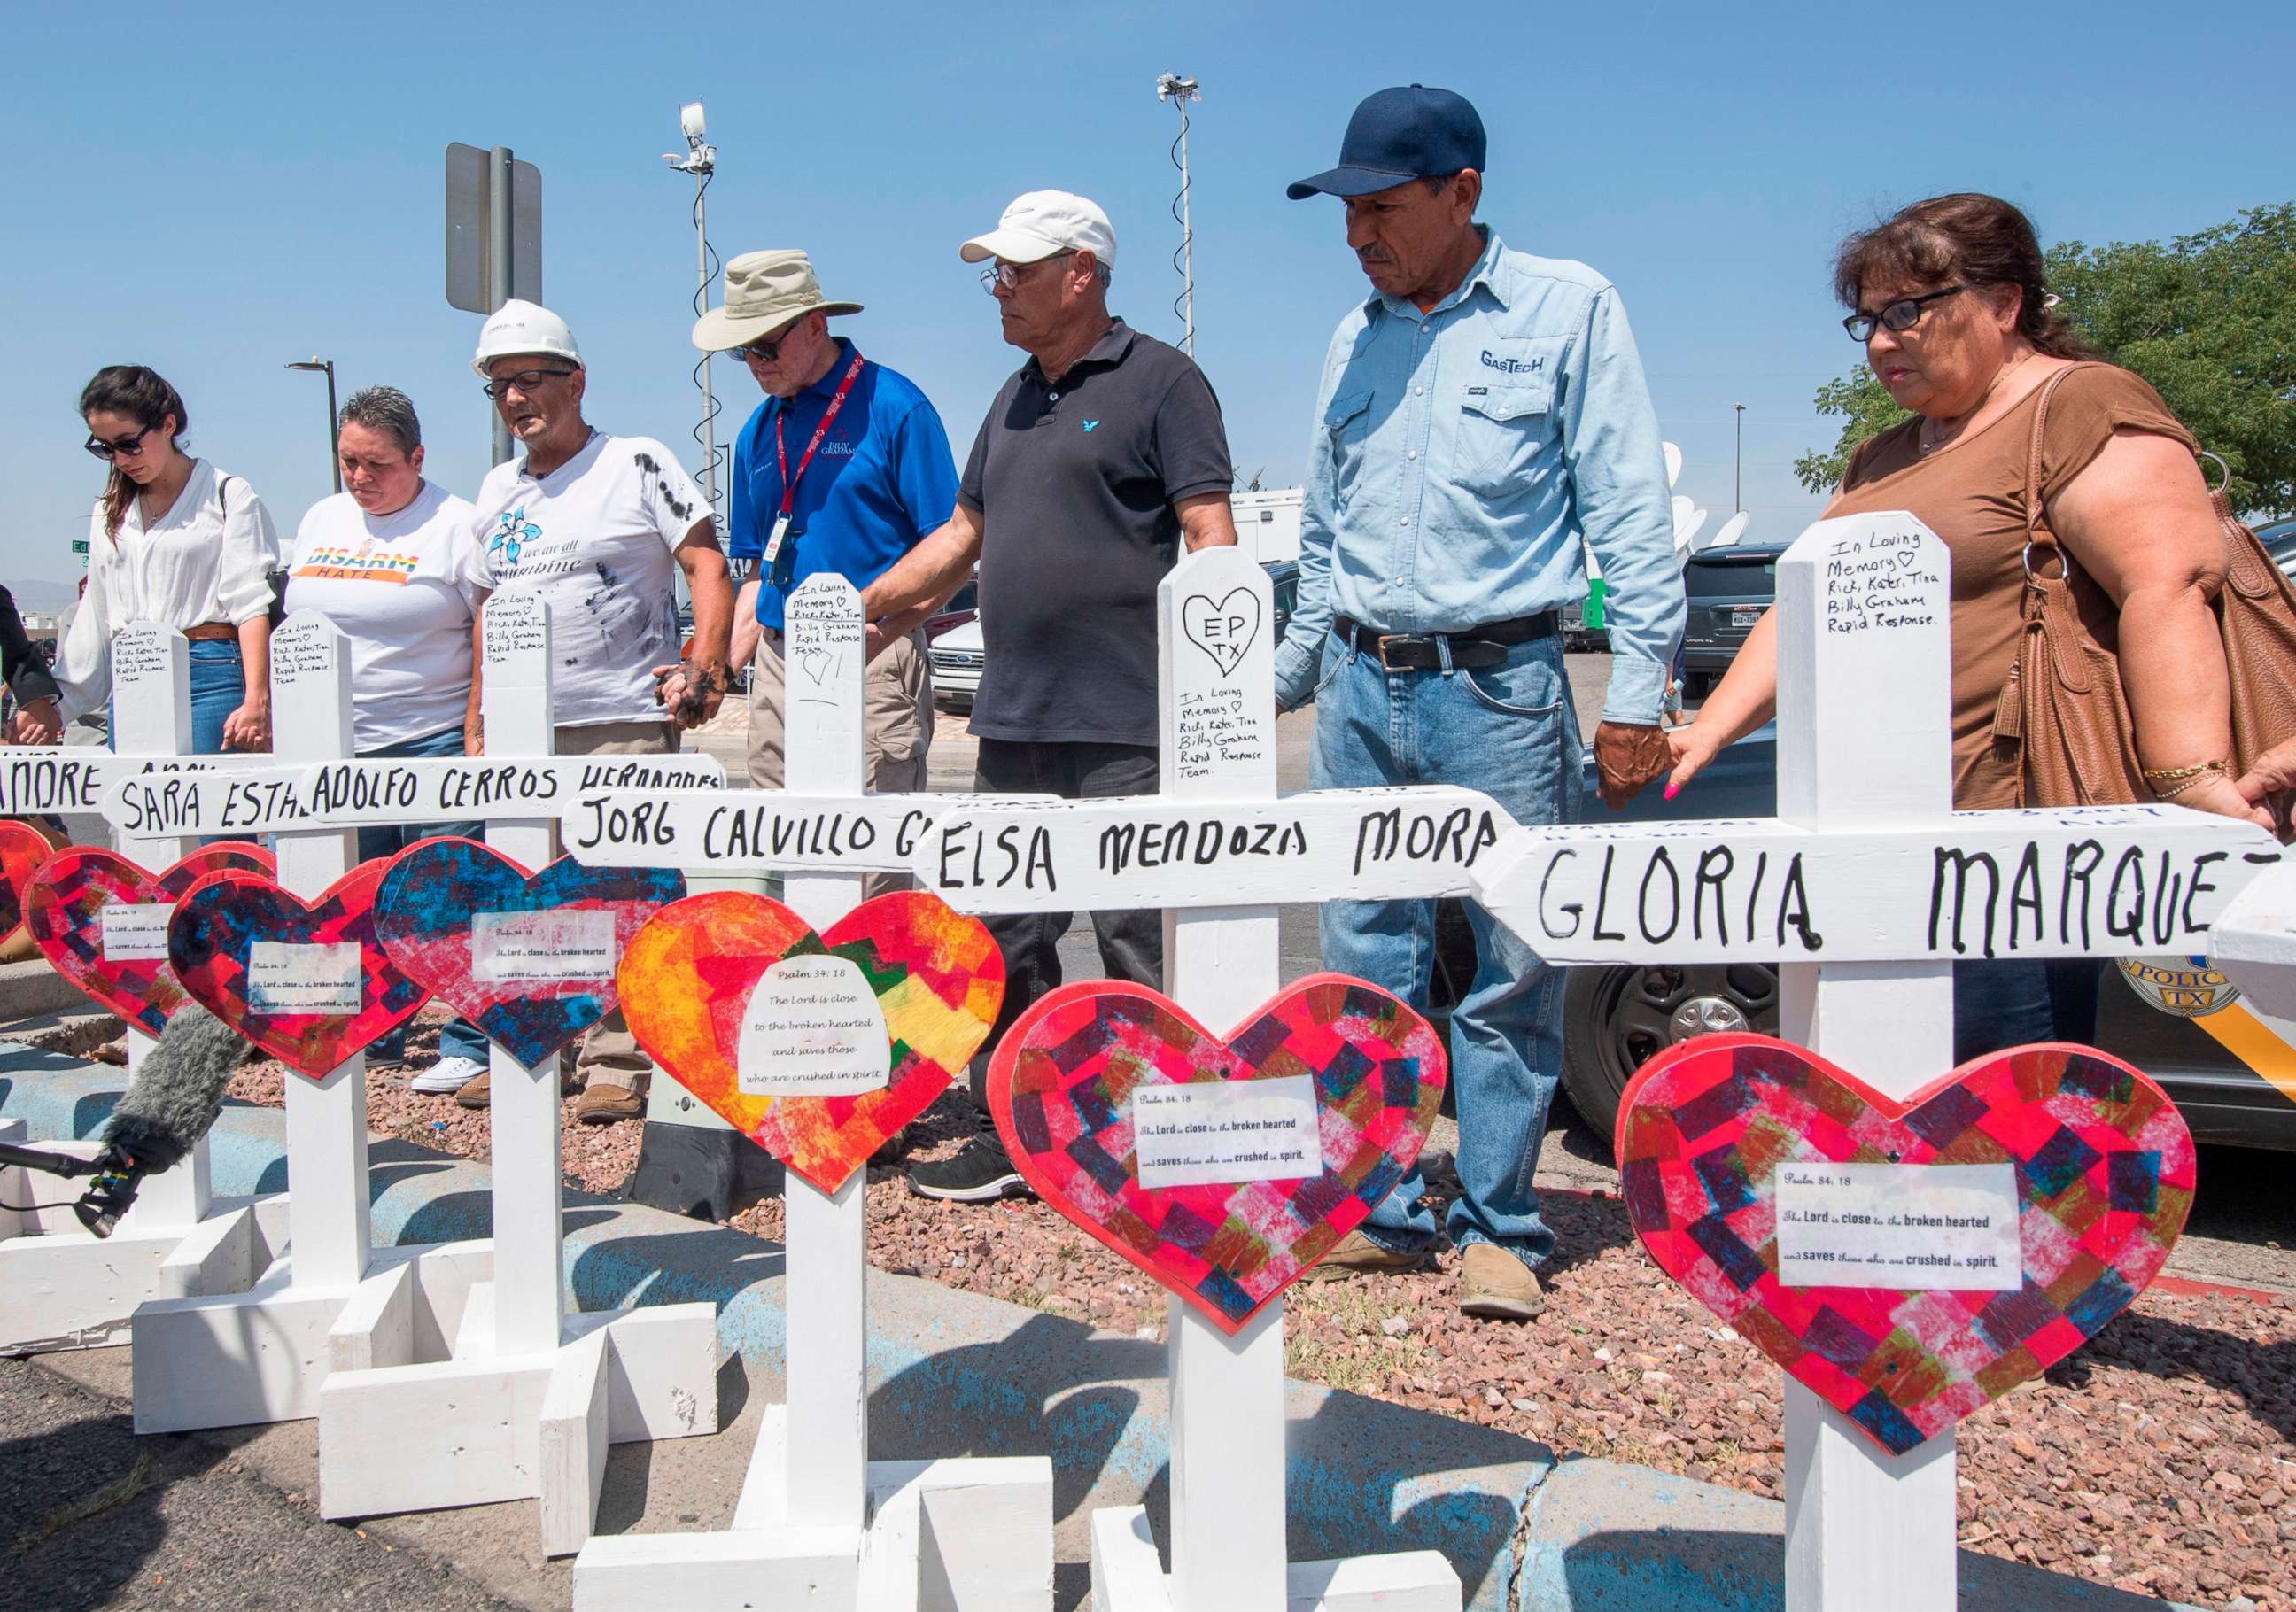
177,1091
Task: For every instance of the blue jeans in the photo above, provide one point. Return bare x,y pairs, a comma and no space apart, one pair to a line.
461,1038
1508,730
2012,1002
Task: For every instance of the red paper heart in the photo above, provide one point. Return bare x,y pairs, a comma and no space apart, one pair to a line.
69,897
686,979
1061,1086
225,916
24,850
2103,1170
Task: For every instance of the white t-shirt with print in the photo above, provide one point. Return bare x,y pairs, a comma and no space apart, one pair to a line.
595,538
399,587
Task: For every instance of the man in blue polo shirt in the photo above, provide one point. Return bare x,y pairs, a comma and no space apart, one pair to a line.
844,466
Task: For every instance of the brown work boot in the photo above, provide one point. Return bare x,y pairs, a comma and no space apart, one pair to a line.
603,1105
1495,1285
474,1093
1356,1255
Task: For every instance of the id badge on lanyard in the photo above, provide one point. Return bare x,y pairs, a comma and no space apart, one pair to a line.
774,543
780,531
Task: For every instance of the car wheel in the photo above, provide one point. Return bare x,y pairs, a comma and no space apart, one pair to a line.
1616,1019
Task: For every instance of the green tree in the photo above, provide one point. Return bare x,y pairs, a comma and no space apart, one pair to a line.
2210,319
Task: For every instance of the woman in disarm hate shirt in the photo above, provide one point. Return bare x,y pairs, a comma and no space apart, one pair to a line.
384,561
176,542
1958,324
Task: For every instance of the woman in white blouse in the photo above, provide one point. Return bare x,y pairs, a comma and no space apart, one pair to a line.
176,542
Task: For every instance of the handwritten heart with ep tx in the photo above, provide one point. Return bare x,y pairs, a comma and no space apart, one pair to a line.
306,981
24,851
2085,1155
529,957
102,922
738,999
1067,1080
1222,629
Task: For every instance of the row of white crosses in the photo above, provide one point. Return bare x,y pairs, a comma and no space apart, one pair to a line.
60,1287
441,1375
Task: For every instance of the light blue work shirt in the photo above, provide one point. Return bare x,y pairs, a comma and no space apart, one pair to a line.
1459,457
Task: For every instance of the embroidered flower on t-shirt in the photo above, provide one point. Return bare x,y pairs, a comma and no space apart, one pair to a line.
513,532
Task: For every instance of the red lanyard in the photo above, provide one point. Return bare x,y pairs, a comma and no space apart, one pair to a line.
789,482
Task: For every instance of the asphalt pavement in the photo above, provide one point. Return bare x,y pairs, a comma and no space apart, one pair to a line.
90,1515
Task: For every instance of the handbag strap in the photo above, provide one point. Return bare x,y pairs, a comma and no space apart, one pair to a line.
2037,532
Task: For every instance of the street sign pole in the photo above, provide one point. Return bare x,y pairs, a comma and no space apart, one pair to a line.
499,264
494,239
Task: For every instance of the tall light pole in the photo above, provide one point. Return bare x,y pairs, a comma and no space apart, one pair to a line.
1179,92
700,161
316,364
1738,460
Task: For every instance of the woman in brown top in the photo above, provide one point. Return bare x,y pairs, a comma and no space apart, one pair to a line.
1949,301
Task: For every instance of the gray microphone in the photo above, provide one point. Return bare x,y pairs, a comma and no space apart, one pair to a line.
172,1099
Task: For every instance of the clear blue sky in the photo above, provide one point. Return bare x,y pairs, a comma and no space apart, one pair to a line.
216,192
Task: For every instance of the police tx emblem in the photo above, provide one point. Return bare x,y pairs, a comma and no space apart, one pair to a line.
2185,987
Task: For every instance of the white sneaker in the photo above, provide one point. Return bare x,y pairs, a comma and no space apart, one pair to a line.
448,1075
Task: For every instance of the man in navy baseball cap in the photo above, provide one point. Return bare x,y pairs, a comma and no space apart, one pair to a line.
1412,133
1480,427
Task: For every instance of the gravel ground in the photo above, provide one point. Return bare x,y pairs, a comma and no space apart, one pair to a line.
2160,1459
92,1516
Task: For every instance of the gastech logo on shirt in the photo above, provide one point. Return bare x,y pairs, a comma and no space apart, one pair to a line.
513,532
1513,366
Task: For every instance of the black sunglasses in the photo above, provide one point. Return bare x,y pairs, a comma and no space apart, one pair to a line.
1902,315
127,447
769,350
525,380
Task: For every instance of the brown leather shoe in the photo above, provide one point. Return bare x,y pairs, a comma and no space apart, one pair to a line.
1495,1285
474,1094
1356,1255
603,1105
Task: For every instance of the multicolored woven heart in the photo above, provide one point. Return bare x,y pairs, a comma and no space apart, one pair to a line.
24,850
686,979
1061,1086
2104,1176
450,911
66,916
233,931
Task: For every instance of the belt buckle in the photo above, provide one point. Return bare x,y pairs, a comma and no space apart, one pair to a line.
1385,665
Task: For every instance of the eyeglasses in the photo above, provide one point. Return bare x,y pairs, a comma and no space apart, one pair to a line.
768,350
525,380
1007,274
127,448
1902,315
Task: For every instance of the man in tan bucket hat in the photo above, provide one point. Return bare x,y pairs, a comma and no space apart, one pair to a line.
843,468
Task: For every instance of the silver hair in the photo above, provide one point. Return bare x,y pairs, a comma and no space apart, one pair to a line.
386,409
1103,273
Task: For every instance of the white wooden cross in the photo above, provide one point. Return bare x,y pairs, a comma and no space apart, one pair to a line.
1867,887
819,1521
1220,851
446,1375
60,1287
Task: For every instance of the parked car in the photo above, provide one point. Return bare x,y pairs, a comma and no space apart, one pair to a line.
2279,540
2174,1018
1727,591
1283,583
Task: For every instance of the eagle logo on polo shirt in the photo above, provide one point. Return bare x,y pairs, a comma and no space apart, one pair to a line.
1090,426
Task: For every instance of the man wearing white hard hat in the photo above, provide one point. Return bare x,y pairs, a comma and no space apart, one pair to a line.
597,525
843,469
1098,459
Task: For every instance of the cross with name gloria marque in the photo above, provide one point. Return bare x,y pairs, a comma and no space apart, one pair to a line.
1866,889
1219,851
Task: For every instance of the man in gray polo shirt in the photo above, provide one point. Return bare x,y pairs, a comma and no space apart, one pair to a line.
1098,459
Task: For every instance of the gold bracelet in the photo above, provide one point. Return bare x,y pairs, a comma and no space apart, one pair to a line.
2171,775
2176,789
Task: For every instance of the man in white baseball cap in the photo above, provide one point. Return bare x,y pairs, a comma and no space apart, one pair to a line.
1099,458
596,525
844,468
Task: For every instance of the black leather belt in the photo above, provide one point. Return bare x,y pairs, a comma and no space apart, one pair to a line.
1471,648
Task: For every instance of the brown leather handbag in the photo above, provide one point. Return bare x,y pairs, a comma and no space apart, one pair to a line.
2063,704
